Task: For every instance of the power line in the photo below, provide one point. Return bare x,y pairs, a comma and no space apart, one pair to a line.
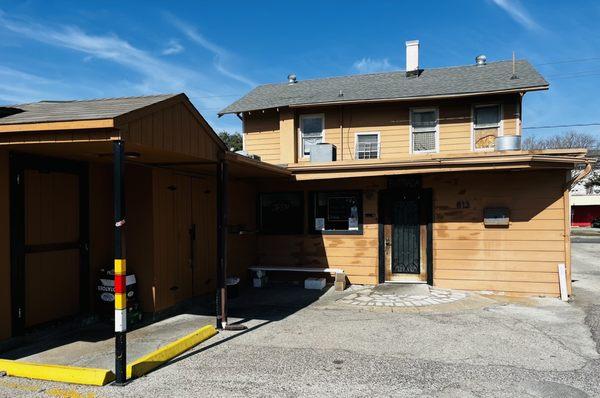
561,126
568,61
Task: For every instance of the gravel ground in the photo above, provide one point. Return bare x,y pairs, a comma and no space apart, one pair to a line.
479,346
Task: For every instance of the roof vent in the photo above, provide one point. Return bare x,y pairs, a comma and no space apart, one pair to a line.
480,60
292,78
9,110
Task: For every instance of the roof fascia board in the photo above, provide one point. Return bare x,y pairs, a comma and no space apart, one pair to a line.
423,97
59,125
399,99
240,159
401,171
484,161
146,110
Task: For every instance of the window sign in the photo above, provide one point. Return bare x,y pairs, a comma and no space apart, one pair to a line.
486,126
337,211
319,224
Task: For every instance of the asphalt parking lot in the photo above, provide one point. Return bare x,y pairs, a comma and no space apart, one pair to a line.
314,346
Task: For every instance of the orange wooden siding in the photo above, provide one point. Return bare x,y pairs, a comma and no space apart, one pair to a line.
357,255
519,259
172,128
391,121
262,135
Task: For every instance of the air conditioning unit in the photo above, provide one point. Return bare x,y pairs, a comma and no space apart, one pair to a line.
323,153
508,143
248,155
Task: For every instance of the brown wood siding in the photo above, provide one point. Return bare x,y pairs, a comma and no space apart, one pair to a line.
173,129
101,223
357,255
519,259
5,285
140,232
262,135
242,248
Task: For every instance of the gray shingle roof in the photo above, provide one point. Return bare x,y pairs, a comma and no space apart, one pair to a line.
459,80
56,111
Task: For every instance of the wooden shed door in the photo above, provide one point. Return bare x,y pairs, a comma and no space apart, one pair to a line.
204,231
49,236
51,246
173,225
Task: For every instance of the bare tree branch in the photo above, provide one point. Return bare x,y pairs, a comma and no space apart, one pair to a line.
568,140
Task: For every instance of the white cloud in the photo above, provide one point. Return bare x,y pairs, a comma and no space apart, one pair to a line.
18,86
518,13
156,75
149,73
221,55
369,65
173,47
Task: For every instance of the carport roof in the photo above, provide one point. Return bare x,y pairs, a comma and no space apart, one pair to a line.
58,111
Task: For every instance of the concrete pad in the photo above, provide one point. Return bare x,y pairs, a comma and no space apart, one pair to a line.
93,346
406,289
309,345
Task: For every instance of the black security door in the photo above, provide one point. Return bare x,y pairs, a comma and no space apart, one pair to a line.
406,234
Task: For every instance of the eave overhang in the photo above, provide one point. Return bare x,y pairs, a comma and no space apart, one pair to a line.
493,161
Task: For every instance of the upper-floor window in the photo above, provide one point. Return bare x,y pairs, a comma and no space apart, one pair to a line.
312,130
486,126
424,130
367,146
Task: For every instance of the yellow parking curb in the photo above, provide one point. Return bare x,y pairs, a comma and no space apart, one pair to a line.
153,360
66,374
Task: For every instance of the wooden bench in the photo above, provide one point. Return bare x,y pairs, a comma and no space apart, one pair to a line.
340,277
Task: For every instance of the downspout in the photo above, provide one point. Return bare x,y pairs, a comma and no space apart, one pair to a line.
582,174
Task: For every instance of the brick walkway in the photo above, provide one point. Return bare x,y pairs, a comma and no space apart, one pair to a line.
371,297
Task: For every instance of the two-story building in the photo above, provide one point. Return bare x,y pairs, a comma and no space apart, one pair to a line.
411,176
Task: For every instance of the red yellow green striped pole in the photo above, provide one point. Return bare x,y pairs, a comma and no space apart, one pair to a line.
119,268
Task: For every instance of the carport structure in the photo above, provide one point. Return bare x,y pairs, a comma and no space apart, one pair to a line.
77,176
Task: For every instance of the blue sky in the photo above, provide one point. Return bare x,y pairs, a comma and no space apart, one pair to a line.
217,51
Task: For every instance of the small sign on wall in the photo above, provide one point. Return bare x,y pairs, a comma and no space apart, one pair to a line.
319,224
496,216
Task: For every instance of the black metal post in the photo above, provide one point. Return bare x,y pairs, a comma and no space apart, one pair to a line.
119,267
222,205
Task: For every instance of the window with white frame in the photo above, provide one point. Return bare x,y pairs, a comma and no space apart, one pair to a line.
367,146
311,132
424,130
486,126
